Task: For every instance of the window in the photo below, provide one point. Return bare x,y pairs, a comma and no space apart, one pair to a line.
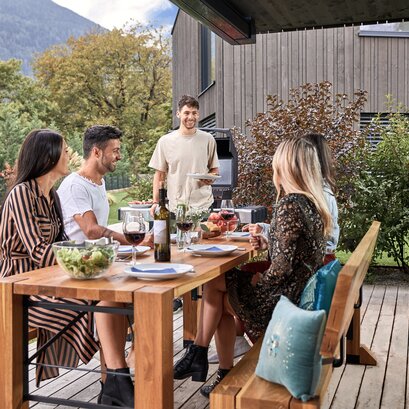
385,30
208,57
366,119
208,122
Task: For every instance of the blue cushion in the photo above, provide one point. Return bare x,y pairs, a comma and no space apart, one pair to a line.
290,351
326,281
318,292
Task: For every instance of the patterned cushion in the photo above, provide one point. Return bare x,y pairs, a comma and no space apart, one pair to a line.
290,351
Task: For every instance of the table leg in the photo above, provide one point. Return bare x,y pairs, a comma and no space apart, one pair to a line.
11,348
153,348
191,311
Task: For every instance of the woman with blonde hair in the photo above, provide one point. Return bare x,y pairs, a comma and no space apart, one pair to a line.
296,246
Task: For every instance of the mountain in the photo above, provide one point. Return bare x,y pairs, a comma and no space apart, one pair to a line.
31,26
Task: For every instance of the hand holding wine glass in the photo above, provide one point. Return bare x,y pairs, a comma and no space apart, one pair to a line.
134,229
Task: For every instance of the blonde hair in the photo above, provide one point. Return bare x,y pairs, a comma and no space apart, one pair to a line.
297,170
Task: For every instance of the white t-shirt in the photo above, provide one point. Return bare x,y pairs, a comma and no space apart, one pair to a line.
177,155
79,195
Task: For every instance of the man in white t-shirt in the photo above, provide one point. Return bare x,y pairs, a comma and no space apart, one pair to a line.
186,150
85,210
83,196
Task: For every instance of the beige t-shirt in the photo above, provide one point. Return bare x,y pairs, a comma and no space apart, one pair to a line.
178,155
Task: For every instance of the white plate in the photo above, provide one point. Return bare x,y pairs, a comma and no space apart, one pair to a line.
153,271
140,205
125,251
203,176
208,249
240,236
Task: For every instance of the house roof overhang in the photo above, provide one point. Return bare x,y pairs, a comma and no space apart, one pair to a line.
237,21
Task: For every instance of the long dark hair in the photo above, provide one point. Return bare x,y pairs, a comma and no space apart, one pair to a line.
325,158
39,154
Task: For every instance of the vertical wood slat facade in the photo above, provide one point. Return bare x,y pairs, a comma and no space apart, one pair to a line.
279,62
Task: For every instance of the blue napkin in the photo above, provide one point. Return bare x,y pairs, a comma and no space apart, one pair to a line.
214,248
161,270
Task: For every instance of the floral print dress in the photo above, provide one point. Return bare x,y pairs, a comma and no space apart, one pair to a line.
296,249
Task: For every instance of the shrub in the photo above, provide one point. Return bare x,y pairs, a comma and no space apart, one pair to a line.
141,189
311,108
382,192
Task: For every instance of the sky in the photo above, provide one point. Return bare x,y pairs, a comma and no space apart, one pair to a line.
115,13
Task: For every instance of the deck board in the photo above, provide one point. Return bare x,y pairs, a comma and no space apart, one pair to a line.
385,328
395,379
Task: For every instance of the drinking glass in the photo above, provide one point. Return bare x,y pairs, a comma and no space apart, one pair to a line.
184,223
134,229
227,212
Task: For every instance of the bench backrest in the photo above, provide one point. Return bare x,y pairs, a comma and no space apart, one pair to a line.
346,294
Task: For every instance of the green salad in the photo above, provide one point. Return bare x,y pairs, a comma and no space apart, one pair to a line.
85,263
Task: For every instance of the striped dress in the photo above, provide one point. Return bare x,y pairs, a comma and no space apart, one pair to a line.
29,224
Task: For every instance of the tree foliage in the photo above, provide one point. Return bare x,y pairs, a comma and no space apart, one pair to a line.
24,106
121,77
311,108
382,191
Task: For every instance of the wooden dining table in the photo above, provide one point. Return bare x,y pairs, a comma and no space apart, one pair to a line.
153,316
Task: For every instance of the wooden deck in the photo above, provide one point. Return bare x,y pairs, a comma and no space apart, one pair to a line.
385,316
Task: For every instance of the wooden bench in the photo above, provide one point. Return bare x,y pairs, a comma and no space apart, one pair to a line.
242,389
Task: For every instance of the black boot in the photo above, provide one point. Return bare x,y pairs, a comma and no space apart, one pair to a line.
194,363
206,390
118,389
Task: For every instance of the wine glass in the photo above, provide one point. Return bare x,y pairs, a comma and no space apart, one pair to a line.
134,229
184,223
227,212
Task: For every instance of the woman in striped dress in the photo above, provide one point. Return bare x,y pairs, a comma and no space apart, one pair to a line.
30,221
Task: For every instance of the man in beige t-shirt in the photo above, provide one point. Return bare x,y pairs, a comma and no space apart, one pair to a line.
186,150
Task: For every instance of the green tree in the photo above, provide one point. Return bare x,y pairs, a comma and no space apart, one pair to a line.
23,92
121,77
24,105
382,191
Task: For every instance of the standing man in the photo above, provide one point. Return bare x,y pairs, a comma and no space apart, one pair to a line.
186,150
83,196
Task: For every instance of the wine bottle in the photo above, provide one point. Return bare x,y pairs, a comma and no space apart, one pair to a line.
161,228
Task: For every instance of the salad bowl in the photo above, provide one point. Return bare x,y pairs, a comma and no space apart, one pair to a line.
85,261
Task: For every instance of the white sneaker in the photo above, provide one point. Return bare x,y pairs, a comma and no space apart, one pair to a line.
241,346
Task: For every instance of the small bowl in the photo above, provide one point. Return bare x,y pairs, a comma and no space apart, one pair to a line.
85,261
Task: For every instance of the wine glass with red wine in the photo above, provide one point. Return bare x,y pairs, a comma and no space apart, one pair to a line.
228,213
134,229
184,223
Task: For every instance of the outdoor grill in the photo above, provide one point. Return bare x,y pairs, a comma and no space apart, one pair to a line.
223,187
228,169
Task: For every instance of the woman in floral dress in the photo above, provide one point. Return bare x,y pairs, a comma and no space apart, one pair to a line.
296,246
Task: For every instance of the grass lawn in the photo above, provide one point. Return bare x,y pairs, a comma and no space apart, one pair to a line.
384,260
120,201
